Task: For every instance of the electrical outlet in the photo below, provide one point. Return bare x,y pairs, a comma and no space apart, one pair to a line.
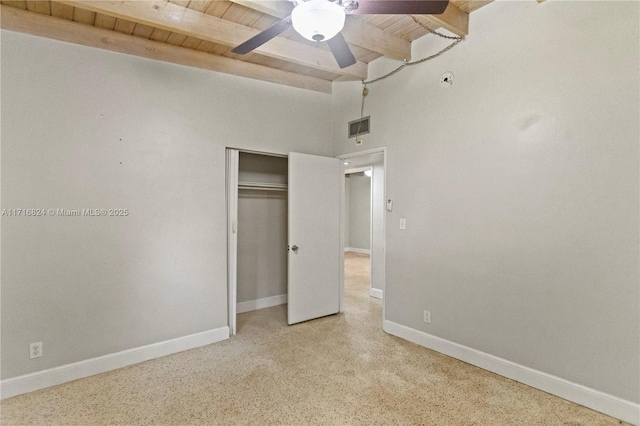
35,350
427,317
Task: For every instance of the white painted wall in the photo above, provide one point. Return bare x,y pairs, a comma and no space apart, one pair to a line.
359,211
86,128
520,188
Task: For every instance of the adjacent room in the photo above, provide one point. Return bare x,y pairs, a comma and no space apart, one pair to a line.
320,212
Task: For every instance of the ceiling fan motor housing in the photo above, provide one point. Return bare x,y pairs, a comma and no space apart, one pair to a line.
322,20
318,20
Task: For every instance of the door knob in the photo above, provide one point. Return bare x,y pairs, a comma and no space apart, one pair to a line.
294,248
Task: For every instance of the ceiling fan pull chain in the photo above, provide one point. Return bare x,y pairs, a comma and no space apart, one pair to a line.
434,31
365,92
375,80
435,55
406,63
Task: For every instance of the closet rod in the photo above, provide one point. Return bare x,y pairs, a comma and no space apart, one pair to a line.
255,188
262,186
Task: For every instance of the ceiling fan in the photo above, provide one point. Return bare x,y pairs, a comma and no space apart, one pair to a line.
322,20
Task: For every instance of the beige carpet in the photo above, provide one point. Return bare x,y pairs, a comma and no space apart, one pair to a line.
341,369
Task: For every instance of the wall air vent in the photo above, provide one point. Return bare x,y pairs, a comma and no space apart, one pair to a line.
359,127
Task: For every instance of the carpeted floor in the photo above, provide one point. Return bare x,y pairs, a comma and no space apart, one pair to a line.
341,370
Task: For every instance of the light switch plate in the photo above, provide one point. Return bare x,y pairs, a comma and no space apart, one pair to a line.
403,223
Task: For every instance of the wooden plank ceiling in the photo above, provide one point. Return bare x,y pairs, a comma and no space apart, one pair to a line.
201,33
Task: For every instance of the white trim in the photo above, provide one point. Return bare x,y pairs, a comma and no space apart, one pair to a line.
357,250
232,171
349,171
266,302
89,367
343,195
377,293
608,404
363,152
269,154
372,257
384,233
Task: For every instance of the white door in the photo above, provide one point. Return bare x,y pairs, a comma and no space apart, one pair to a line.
314,237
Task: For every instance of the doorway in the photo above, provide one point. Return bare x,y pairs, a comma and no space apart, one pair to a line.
364,214
357,229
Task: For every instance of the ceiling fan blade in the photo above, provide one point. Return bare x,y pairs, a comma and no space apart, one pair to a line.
399,7
260,39
341,51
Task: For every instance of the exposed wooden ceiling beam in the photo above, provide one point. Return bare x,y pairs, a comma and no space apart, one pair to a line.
14,19
374,39
178,19
453,19
278,8
355,32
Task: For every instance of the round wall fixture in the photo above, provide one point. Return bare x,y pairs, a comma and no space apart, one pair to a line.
446,79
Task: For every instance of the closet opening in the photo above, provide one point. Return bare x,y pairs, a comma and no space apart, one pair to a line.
284,221
260,231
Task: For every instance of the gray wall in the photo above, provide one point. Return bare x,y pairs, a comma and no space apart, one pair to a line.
262,244
520,188
86,128
359,211
262,168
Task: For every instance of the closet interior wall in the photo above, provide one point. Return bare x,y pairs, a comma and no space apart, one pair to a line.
262,231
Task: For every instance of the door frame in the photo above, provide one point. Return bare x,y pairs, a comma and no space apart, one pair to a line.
232,214
352,155
232,165
231,171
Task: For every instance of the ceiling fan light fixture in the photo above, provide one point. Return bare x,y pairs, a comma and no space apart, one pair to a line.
318,20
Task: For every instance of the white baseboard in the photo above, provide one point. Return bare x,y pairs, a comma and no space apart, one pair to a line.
591,398
89,367
376,292
357,250
267,302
